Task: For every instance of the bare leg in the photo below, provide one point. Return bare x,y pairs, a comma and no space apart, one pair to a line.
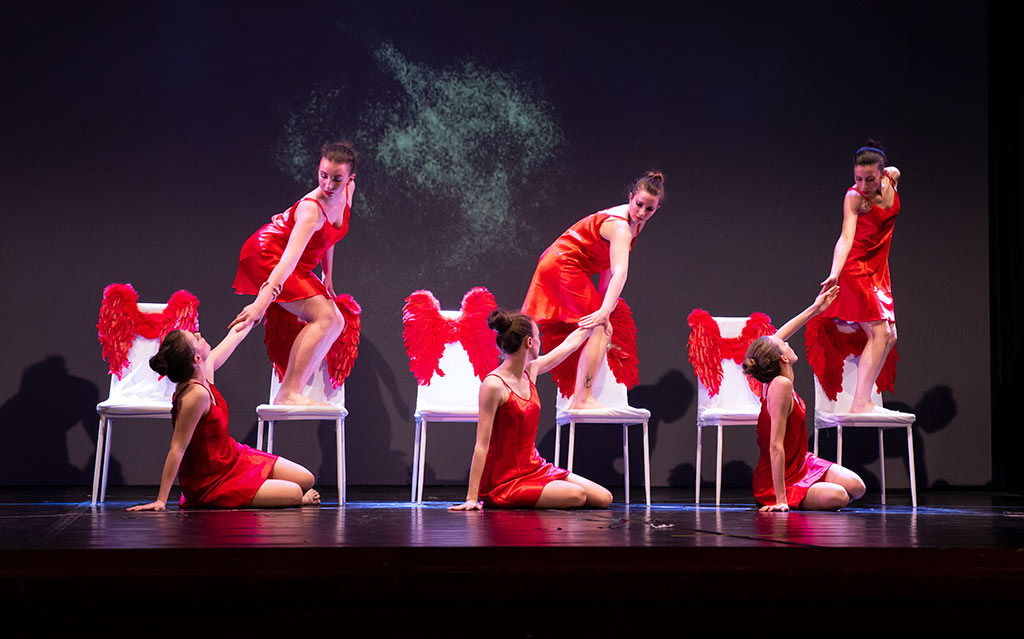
290,471
837,489
289,484
595,350
881,338
574,492
324,324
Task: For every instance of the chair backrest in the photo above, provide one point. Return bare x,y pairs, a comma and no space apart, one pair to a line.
459,387
734,393
318,388
845,397
140,382
607,390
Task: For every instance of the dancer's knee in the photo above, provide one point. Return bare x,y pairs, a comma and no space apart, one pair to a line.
855,487
336,323
603,498
835,497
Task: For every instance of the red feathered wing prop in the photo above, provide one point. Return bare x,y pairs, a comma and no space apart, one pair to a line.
827,349
121,320
622,357
707,348
425,332
281,328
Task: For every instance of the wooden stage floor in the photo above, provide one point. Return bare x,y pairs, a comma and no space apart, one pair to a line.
957,556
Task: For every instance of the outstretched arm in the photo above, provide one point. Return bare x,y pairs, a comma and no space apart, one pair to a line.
547,361
619,238
823,301
851,208
490,397
307,221
780,404
194,403
221,352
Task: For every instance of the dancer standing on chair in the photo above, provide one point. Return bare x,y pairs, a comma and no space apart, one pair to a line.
562,290
507,471
787,475
276,264
860,264
213,469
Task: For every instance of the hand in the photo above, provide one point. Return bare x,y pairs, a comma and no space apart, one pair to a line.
251,314
468,505
154,505
781,507
829,282
596,318
825,298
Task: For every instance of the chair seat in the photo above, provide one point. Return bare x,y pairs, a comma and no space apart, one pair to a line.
270,412
892,419
458,413
144,408
599,415
726,417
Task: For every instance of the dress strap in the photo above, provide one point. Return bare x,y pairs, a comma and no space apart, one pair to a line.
213,399
315,201
500,378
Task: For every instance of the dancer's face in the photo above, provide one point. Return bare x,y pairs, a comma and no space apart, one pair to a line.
333,177
642,206
198,345
785,350
868,179
535,347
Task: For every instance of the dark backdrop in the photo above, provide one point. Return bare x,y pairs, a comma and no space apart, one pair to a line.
144,144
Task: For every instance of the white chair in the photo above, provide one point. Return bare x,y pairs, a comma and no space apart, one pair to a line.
139,394
451,398
617,410
318,388
836,414
734,405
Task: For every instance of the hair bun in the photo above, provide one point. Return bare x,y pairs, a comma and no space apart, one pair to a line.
158,364
499,320
656,176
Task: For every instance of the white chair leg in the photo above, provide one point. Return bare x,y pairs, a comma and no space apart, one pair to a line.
881,460
259,433
647,466
910,460
415,461
106,459
101,435
839,445
558,444
270,436
339,431
423,457
572,443
625,458
696,490
718,470
815,441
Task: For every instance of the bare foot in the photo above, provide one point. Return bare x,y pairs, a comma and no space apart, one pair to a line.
296,399
870,408
589,402
311,498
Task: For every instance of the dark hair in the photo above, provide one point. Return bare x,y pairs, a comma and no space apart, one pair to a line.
512,329
340,153
174,359
763,360
653,182
871,153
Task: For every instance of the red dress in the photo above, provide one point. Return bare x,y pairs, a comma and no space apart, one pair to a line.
865,293
262,251
515,474
216,470
803,469
561,289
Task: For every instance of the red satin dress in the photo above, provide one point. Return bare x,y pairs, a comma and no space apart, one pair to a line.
262,251
515,474
865,293
562,289
803,468
216,471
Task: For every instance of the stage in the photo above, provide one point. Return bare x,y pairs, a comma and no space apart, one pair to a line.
958,553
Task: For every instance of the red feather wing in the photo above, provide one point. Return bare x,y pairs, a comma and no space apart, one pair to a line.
423,331
474,333
116,325
622,357
345,349
564,375
704,346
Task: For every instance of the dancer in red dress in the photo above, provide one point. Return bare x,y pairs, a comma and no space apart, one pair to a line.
213,469
276,264
860,265
507,471
787,475
561,289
